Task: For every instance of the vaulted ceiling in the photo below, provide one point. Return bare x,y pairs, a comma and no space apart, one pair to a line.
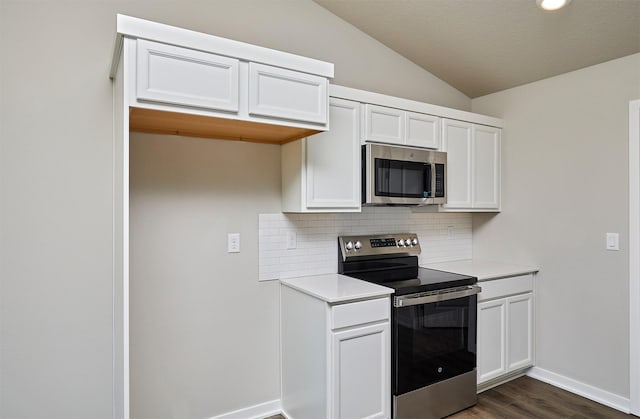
484,46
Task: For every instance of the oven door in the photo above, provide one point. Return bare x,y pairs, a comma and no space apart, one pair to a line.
434,338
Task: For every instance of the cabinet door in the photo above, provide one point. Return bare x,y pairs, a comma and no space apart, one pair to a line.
360,373
519,331
181,76
382,124
422,130
333,159
486,167
280,93
456,141
491,339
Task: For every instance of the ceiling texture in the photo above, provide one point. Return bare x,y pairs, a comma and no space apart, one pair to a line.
484,46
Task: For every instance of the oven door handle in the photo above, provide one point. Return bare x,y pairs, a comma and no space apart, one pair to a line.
404,301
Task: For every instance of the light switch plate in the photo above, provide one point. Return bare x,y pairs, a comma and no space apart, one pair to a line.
233,243
613,241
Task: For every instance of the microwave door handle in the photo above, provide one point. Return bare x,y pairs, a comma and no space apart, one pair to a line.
428,173
434,174
432,181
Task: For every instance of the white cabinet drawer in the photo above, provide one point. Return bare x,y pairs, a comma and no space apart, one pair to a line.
505,286
280,93
182,76
351,314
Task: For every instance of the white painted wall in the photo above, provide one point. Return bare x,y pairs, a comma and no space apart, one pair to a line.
56,208
565,184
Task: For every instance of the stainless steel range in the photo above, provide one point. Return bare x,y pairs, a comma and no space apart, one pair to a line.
433,324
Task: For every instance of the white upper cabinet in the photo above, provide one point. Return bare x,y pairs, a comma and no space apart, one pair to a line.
382,124
181,76
486,167
456,141
422,130
473,166
395,126
280,93
178,81
321,173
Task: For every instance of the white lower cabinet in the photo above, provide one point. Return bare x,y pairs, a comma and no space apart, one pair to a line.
321,173
492,356
359,359
519,331
505,329
335,358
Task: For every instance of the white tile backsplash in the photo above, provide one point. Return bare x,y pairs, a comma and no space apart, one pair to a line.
317,238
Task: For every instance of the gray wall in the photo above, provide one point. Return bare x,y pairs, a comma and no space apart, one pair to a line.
204,331
56,209
565,184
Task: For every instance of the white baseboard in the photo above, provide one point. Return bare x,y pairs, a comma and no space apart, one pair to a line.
258,411
585,390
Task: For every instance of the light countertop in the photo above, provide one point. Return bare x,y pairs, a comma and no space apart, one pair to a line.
484,270
336,288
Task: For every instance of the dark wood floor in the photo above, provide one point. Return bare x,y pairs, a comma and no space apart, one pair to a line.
526,397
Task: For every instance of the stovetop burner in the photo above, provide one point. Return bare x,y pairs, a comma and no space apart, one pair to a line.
392,260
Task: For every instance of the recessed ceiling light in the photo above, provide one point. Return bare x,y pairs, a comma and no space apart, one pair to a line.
552,4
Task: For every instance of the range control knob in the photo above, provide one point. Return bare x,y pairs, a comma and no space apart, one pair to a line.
401,243
414,242
358,245
349,245
407,242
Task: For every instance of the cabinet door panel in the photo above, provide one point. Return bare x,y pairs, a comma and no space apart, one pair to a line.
456,141
333,160
361,373
181,76
383,124
422,130
486,167
280,93
491,339
520,331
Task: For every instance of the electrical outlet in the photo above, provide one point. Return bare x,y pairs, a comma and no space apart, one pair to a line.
233,243
449,232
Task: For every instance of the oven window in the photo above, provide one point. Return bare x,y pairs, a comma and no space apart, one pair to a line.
401,178
433,342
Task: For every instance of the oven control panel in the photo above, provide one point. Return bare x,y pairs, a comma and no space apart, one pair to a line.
379,245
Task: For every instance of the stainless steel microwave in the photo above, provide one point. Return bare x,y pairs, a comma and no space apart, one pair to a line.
396,175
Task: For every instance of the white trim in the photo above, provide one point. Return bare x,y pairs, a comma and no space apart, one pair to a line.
258,411
585,390
365,96
634,256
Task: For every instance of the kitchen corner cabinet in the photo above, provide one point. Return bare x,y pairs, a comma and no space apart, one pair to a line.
321,173
505,329
335,357
473,166
395,126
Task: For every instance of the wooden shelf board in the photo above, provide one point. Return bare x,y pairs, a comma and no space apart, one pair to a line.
188,125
